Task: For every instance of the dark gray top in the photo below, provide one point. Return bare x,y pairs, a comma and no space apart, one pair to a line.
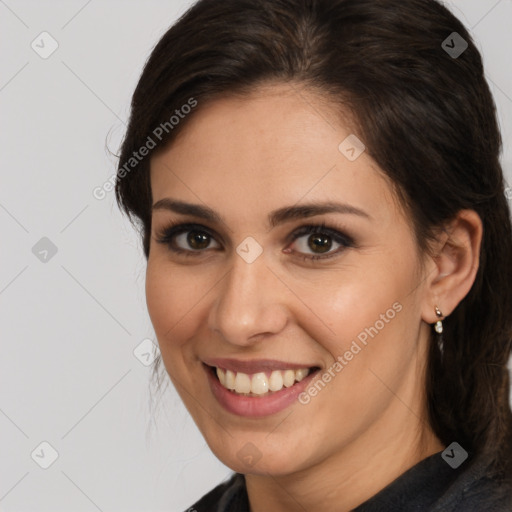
431,485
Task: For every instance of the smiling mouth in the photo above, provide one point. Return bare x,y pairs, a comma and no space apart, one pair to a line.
259,384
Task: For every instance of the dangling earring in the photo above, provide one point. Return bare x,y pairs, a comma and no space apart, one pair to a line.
439,324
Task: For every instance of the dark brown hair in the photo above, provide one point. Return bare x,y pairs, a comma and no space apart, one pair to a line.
426,117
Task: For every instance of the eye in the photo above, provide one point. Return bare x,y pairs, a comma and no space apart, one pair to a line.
313,241
317,241
187,238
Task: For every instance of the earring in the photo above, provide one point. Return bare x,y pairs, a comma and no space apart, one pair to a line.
439,324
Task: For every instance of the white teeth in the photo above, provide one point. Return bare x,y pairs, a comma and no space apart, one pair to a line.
259,383
230,380
276,381
222,376
242,383
288,378
300,374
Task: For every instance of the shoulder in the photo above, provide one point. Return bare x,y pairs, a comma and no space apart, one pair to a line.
229,496
476,491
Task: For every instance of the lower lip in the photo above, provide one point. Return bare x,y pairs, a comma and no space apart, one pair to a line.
256,406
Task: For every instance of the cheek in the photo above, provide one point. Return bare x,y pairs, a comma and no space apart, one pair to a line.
359,298
173,299
372,318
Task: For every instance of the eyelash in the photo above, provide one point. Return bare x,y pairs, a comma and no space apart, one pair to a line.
167,235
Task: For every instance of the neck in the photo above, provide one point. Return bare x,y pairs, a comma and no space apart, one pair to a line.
348,478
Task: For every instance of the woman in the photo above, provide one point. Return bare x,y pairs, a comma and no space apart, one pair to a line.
328,251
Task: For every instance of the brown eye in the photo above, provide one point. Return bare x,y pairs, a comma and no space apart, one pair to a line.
319,243
193,239
315,244
198,240
187,238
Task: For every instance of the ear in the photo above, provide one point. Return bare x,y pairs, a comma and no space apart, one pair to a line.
453,267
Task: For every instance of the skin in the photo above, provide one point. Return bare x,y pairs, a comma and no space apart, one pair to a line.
243,158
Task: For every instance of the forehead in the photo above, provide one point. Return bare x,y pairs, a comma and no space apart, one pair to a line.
279,145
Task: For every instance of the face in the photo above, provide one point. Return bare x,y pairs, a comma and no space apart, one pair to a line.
287,264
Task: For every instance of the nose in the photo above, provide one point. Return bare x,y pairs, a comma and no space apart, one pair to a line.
250,304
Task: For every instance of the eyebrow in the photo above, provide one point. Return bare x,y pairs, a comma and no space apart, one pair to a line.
275,217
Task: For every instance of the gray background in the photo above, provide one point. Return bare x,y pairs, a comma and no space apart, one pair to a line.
71,321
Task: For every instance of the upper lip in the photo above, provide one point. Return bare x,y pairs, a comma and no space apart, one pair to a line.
254,365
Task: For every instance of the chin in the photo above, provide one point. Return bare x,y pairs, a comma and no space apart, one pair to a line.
252,454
